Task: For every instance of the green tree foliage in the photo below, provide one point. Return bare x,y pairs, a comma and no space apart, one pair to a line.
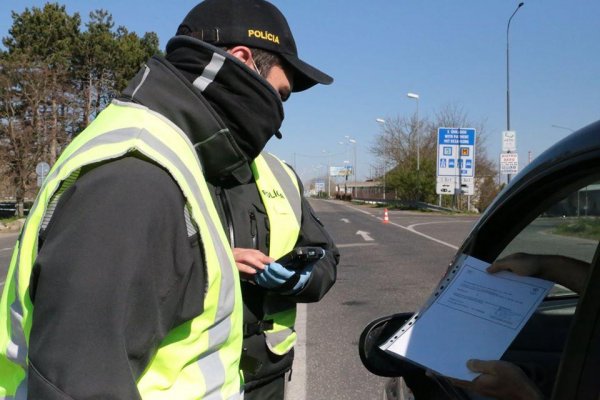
54,79
47,35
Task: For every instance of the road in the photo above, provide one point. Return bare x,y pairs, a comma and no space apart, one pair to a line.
385,268
7,242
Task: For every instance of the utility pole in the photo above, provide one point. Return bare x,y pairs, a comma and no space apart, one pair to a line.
508,76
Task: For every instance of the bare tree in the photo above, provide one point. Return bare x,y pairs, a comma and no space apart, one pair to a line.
400,143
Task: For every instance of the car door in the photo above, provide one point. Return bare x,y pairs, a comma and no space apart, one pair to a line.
566,225
552,207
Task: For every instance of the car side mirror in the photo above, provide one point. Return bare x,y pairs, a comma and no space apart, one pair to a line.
378,361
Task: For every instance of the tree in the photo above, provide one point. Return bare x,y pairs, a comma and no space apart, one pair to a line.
397,145
23,92
49,63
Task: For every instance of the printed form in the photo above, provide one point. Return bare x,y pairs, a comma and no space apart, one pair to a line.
475,315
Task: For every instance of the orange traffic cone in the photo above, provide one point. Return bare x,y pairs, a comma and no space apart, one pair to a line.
386,218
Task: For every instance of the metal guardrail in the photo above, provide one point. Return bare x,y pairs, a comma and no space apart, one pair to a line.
417,205
9,209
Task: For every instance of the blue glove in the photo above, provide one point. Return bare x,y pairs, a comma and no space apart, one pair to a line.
304,275
273,275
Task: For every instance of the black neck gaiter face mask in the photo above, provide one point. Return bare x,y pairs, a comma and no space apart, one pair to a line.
248,105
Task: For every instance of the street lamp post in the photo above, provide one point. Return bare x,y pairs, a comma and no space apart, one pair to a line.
352,142
416,98
355,190
327,154
508,75
382,122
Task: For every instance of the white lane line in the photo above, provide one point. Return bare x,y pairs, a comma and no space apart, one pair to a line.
341,246
296,388
6,249
359,210
408,229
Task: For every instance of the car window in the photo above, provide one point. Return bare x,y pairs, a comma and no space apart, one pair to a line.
569,227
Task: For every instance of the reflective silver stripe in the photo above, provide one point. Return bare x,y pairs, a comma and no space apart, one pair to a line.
146,73
287,185
17,345
22,390
275,338
218,334
210,72
214,373
210,365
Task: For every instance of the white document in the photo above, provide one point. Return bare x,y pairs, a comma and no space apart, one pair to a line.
472,314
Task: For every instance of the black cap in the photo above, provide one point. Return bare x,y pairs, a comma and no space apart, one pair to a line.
252,23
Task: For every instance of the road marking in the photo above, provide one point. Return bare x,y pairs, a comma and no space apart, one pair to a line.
6,249
341,246
296,388
365,235
359,210
346,220
410,229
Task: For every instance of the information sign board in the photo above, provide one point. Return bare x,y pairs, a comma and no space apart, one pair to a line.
509,163
509,141
456,161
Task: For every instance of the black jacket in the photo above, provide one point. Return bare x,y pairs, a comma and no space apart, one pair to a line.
245,220
117,268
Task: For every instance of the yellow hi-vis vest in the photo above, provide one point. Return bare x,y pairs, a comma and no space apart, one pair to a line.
280,193
196,360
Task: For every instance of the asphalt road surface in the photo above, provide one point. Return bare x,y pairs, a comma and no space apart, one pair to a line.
7,242
385,268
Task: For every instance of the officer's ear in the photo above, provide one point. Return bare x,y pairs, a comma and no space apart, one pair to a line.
244,54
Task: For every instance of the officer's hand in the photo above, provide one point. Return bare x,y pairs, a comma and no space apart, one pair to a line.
250,261
273,276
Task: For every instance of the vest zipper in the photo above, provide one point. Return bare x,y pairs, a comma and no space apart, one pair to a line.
227,212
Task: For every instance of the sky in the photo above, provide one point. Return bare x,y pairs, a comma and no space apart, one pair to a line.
450,53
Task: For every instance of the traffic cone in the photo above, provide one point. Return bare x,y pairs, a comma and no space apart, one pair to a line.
386,218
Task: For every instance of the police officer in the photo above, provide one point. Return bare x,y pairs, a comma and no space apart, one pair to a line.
123,284
264,212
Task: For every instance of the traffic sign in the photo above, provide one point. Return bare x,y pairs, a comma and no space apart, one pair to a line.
456,160
42,168
319,186
509,163
452,185
509,141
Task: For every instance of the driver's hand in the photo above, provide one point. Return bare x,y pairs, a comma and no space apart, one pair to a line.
499,380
